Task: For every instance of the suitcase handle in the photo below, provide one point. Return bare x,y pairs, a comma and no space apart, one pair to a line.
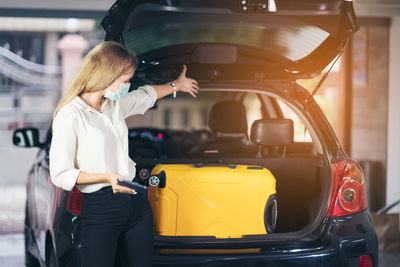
201,165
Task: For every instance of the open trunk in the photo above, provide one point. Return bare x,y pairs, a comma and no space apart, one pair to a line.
303,176
300,198
298,187
237,47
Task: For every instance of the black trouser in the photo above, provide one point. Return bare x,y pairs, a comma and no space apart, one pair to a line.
116,229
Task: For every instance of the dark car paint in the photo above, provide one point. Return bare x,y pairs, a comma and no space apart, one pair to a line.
62,229
340,243
345,239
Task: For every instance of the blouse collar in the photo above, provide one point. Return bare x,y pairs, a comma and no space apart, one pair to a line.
86,106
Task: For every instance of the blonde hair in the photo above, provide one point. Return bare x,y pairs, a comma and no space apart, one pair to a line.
100,67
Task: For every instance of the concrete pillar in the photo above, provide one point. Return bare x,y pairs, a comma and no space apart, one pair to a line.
71,47
393,141
50,53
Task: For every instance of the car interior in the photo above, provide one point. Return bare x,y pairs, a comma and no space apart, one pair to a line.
229,138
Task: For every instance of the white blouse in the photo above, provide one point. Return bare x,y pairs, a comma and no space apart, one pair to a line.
85,139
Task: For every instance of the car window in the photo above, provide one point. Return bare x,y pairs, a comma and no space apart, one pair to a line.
300,132
184,122
283,36
183,112
252,104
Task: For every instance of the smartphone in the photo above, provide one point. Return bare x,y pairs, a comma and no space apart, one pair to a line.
137,187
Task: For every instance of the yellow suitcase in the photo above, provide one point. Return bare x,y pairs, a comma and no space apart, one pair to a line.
222,201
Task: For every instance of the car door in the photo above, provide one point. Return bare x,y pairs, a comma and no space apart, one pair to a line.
41,199
32,207
46,198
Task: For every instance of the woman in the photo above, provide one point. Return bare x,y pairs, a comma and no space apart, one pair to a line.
89,149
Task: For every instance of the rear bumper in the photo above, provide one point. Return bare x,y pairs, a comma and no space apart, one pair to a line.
346,239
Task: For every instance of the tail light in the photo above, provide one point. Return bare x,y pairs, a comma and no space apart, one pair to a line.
348,192
74,201
365,261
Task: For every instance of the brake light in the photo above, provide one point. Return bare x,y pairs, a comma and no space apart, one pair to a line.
348,192
365,261
74,201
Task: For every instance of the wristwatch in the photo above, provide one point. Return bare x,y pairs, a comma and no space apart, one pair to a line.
173,88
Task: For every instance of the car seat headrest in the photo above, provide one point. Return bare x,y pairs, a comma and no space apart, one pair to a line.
228,118
272,132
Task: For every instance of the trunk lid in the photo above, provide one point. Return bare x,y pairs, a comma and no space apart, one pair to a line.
232,40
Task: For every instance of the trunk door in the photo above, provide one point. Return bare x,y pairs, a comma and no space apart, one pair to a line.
295,39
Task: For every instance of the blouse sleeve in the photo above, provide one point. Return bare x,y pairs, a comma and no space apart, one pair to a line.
138,101
62,151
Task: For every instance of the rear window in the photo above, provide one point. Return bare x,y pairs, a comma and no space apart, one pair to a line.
280,36
181,128
185,112
301,133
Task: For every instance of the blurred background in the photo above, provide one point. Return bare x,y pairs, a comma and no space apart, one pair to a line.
361,97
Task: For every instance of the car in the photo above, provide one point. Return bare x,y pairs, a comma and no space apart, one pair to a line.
247,57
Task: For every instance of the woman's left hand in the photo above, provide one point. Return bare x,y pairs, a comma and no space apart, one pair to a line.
185,84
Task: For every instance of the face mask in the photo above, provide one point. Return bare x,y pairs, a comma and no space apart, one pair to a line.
123,90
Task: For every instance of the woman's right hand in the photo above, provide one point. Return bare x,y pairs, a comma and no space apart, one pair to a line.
112,179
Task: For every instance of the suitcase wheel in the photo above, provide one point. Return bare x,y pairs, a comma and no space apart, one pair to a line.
158,180
270,214
154,181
